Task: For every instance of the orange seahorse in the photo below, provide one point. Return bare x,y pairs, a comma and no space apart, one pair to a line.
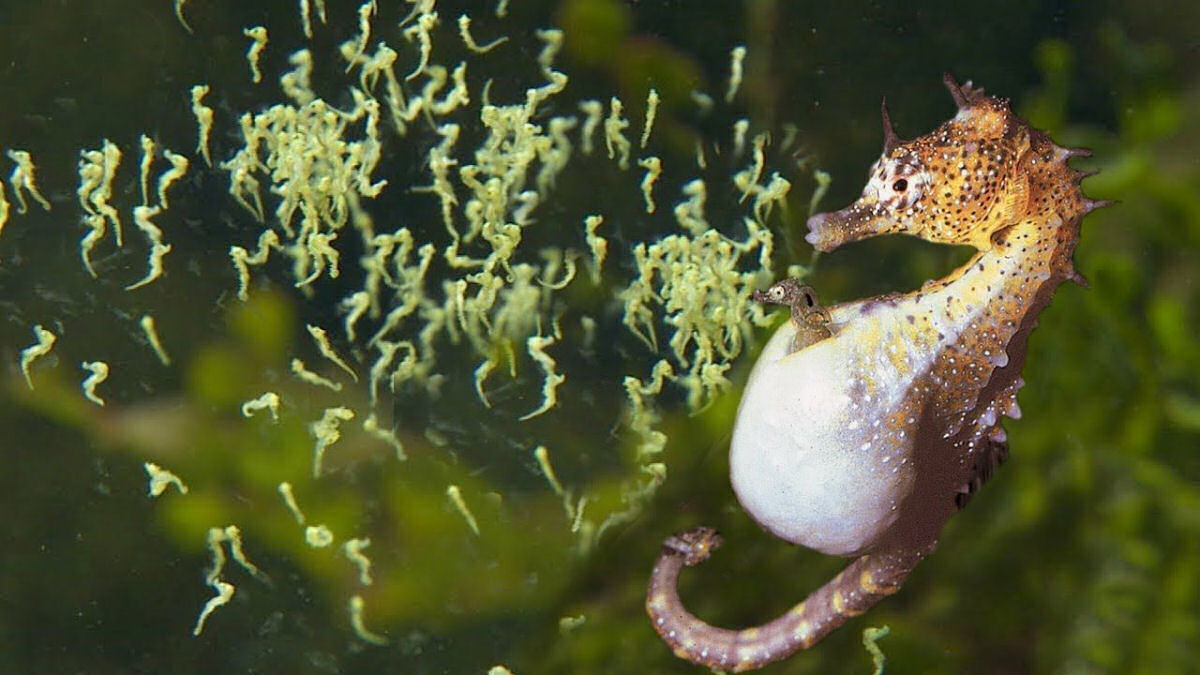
865,426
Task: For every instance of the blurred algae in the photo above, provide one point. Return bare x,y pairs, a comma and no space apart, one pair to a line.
461,267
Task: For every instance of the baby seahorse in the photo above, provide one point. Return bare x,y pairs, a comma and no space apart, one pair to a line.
864,427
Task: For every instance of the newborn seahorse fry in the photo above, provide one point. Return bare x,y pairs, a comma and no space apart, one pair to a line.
865,426
45,342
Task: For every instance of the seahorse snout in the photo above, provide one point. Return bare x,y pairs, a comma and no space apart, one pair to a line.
815,224
827,231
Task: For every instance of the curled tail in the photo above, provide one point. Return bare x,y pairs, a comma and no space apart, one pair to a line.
863,583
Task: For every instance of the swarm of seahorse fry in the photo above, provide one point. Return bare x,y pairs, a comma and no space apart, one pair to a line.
860,434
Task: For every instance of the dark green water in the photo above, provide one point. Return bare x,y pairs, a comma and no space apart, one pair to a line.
1082,555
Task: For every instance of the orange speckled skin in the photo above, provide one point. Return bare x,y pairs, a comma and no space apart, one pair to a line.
956,347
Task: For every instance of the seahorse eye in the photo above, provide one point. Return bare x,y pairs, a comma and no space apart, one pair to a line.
900,185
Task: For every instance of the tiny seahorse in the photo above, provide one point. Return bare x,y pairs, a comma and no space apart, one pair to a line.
865,426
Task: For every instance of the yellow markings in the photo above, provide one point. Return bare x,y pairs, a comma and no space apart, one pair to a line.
736,57
594,110
353,550
501,12
748,655
456,499
536,345
142,218
301,371
326,432
322,339
614,134
866,581
499,670
803,632
258,35
148,150
371,426
147,324
161,479
653,167
179,15
318,536
242,259
840,599
179,167
750,634
99,373
45,343
289,499
268,401
651,113
464,32
204,120
22,180
359,626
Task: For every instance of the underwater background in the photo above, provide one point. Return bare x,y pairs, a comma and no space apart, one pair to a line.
1082,555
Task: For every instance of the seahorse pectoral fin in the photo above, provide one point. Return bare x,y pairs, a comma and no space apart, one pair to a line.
863,583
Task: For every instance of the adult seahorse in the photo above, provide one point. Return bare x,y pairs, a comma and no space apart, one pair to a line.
865,426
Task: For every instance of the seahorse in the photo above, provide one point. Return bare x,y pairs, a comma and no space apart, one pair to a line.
864,427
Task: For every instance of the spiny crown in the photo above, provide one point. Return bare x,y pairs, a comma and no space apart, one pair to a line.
967,180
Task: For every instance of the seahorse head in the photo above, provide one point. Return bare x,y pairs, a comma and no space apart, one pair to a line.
961,183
